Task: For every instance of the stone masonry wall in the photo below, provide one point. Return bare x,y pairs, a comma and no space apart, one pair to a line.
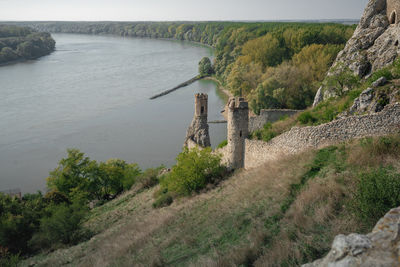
299,139
268,115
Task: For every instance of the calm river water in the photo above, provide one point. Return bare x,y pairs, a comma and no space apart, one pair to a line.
93,93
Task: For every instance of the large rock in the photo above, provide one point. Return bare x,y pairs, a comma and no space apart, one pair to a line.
374,44
197,133
363,102
379,248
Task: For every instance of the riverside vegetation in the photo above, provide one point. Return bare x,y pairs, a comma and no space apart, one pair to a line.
22,43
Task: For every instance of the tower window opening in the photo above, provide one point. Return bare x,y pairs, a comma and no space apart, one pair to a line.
240,133
393,17
202,110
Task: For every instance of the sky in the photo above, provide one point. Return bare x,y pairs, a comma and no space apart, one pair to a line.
178,10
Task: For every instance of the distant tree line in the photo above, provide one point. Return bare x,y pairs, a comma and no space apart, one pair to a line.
274,65
19,43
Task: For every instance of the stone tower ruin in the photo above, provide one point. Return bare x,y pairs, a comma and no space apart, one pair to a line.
393,11
197,133
238,130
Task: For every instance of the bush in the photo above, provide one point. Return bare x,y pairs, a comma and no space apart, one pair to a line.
307,118
193,171
385,145
149,178
77,174
223,144
62,226
163,200
385,72
377,193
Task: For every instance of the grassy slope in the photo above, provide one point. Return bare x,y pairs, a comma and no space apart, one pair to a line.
285,212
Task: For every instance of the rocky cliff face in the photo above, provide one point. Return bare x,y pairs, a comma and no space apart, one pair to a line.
374,44
197,133
379,248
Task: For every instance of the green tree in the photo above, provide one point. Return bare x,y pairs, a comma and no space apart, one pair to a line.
205,67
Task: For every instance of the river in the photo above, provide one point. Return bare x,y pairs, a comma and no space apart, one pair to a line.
93,93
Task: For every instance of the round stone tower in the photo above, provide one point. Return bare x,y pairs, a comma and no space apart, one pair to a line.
197,133
238,130
393,11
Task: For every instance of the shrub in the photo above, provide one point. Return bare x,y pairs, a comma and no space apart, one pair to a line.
385,145
193,171
7,259
77,174
56,197
385,72
307,118
223,144
163,200
377,193
149,178
63,225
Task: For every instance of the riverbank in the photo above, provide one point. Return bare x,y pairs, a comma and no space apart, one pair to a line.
225,91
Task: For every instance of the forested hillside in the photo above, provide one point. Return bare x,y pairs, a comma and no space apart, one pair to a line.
19,43
275,65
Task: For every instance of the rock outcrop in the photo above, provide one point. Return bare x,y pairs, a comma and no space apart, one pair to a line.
381,247
374,45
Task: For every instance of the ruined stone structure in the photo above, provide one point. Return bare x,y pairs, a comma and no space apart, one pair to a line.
269,115
197,133
238,130
300,139
393,11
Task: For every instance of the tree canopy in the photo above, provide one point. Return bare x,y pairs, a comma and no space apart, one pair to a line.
17,43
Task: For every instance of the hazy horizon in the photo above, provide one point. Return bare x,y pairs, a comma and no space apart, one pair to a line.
180,10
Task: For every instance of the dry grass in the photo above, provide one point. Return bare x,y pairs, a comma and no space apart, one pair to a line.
136,232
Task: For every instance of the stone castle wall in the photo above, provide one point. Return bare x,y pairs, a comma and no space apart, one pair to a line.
269,115
299,139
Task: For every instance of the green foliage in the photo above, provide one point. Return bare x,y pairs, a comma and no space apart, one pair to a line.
223,144
396,68
265,134
343,80
293,84
149,177
386,145
205,67
23,43
378,192
163,200
62,225
8,259
384,72
193,171
77,174
19,219
307,117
